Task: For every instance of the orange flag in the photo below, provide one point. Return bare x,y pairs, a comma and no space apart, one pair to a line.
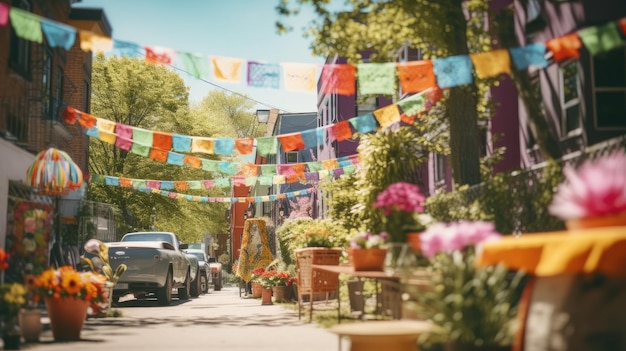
181,185
90,41
416,76
565,47
249,169
244,146
227,69
192,161
342,130
339,78
387,115
158,155
291,142
162,140
125,182
157,54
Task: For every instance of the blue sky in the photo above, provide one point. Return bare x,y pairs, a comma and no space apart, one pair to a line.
233,28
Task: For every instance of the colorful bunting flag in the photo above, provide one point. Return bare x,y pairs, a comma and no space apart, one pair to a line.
159,55
291,142
416,76
127,49
364,124
601,38
529,56
202,145
196,65
453,71
565,47
58,35
491,63
26,25
4,14
227,69
387,115
263,75
93,42
338,79
299,76
376,78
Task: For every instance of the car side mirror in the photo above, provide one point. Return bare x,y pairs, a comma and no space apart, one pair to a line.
184,246
212,259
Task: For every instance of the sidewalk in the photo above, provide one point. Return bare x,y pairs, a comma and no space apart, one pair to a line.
217,321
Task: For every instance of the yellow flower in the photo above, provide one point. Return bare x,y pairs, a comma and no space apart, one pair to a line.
71,282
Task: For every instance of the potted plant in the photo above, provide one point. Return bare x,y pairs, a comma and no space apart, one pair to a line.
594,194
99,263
400,202
255,280
367,251
67,294
474,308
279,282
12,298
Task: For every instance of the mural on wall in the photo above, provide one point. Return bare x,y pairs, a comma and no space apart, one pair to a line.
28,237
255,250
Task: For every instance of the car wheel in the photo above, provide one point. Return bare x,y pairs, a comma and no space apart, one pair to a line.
183,293
218,281
204,284
164,294
195,286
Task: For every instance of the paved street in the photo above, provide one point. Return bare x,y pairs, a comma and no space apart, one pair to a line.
215,321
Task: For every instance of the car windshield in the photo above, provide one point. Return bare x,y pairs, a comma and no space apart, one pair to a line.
199,255
148,237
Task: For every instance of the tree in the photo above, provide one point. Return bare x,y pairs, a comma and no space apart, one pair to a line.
438,28
144,95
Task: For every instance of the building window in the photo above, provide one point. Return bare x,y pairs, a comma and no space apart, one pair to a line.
440,169
570,99
58,94
291,157
46,83
19,55
609,90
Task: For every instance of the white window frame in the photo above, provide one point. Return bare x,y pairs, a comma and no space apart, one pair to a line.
569,104
439,169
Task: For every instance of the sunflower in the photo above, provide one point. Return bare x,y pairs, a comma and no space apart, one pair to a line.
71,282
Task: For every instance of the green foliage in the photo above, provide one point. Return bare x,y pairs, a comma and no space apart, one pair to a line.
140,94
292,235
340,197
472,306
386,157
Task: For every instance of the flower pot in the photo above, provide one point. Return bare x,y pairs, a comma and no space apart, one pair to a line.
282,294
367,259
257,289
11,334
266,297
413,239
11,342
67,316
597,222
30,325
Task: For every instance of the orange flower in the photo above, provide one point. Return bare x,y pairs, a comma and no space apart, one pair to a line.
71,282
4,260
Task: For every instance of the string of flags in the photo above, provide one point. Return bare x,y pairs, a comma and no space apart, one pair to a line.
164,146
248,199
373,78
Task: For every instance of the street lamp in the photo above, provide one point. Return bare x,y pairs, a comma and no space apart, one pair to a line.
153,218
262,116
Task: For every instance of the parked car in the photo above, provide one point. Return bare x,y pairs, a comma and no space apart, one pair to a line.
156,265
205,270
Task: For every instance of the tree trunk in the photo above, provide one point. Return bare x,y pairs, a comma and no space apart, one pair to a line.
462,114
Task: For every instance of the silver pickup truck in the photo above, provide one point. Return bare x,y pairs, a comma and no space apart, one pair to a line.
156,265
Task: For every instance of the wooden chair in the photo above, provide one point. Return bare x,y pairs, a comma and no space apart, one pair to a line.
314,281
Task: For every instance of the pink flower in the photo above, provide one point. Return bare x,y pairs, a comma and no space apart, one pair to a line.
441,237
596,188
402,196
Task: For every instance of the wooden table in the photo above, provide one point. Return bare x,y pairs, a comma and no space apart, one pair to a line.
377,275
400,335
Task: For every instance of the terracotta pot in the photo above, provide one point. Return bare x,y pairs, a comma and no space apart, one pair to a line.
413,239
67,316
266,297
282,294
367,259
30,325
257,289
597,222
